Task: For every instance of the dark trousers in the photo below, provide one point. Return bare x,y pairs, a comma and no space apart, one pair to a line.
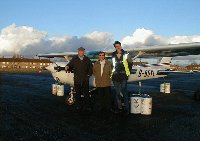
82,89
103,98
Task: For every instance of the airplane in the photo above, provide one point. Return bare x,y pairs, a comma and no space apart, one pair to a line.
138,73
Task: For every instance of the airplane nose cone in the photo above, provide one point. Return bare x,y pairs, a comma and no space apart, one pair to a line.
49,68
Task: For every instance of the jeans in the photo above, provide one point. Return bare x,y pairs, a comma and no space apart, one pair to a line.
121,87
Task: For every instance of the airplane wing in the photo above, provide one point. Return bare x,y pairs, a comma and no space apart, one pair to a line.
144,52
59,55
167,50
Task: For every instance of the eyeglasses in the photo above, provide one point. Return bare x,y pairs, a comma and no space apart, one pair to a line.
101,55
117,46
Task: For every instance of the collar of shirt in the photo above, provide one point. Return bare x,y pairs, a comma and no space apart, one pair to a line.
81,58
102,62
102,66
119,55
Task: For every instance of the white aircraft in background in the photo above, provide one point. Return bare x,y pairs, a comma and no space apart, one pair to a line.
138,73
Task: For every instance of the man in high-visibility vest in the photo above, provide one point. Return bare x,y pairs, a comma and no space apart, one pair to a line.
122,64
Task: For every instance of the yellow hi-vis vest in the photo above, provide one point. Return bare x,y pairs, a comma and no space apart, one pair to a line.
125,63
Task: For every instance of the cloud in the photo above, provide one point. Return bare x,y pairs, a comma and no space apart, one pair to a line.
29,41
139,36
143,37
184,39
13,39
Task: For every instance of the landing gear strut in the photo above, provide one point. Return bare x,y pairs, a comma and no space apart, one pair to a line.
70,98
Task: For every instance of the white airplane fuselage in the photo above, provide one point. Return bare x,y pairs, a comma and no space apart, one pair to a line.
138,74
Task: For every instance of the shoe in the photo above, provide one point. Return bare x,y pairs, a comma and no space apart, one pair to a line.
126,113
78,109
115,111
88,109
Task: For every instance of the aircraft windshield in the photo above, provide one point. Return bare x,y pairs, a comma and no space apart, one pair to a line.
93,55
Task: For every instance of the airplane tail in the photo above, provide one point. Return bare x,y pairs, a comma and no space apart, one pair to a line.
166,60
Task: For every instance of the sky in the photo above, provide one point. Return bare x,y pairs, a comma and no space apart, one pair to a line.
44,26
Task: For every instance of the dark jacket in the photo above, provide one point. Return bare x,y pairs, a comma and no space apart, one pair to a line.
105,79
120,73
82,68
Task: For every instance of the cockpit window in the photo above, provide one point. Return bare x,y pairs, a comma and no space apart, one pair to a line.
93,55
133,71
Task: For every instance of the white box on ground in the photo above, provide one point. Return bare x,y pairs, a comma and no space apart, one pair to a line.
165,88
162,87
54,89
135,104
146,105
60,90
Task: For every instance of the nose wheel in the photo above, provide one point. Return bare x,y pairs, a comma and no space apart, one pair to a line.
70,98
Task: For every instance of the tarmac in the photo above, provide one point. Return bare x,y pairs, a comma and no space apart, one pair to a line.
28,111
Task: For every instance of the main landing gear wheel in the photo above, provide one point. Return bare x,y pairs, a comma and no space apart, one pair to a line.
70,98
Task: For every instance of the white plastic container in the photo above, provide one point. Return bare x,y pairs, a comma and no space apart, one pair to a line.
146,105
54,89
135,107
162,88
60,90
167,88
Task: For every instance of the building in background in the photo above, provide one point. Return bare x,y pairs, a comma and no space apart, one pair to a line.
23,64
192,67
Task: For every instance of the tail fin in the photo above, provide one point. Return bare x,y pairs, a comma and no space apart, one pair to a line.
166,60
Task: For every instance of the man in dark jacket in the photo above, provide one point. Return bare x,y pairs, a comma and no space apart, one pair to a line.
122,64
82,68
